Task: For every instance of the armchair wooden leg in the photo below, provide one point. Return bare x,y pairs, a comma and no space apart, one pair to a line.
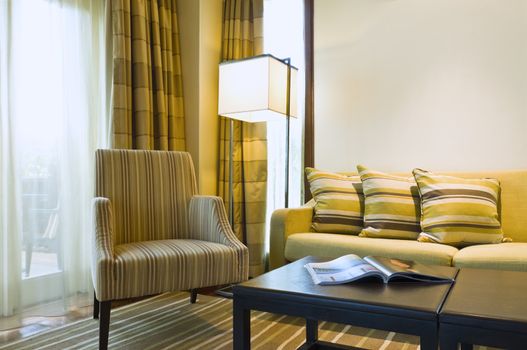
95,307
104,324
193,296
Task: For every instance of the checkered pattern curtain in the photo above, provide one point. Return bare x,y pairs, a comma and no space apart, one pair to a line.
243,37
147,96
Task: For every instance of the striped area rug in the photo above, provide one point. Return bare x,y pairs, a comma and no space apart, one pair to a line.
169,321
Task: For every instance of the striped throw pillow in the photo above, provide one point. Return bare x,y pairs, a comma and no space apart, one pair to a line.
392,207
458,211
339,202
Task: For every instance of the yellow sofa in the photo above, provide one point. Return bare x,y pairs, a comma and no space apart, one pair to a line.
292,237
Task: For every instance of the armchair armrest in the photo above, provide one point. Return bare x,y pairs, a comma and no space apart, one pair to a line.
103,257
285,222
208,222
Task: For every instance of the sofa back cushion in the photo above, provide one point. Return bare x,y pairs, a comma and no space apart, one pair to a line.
339,202
149,191
512,206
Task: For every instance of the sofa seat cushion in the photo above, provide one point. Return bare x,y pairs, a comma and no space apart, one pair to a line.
299,245
152,267
504,256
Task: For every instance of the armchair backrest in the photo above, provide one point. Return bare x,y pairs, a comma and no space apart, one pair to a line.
149,192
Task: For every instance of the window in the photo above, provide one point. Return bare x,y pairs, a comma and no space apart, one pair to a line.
52,120
284,37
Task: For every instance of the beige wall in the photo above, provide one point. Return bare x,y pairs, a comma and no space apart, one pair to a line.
439,84
200,36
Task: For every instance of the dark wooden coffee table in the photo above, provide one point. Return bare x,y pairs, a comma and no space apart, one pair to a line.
485,307
410,308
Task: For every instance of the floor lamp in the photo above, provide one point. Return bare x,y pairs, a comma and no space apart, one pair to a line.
257,89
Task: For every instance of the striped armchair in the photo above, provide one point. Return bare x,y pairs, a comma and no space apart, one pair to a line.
153,234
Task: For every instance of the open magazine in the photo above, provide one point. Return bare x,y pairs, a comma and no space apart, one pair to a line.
351,267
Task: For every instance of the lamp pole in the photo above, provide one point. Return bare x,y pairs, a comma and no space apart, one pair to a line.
231,170
287,61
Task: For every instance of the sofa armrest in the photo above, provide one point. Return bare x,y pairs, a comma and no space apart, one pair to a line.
103,257
208,222
285,222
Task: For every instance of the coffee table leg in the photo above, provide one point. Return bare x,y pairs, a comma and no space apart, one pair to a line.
429,340
241,325
447,342
311,330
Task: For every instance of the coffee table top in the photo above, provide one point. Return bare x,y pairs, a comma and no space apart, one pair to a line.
294,280
488,298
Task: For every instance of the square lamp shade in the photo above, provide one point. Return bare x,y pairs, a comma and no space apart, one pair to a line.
255,89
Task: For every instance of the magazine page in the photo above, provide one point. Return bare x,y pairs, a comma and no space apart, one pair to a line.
345,269
387,269
395,268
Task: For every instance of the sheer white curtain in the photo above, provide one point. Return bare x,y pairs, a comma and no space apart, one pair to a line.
284,37
52,118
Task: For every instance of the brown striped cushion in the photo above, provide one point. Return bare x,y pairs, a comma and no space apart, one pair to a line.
339,202
458,211
391,205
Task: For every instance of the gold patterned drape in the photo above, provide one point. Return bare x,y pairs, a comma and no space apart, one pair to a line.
243,37
147,98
